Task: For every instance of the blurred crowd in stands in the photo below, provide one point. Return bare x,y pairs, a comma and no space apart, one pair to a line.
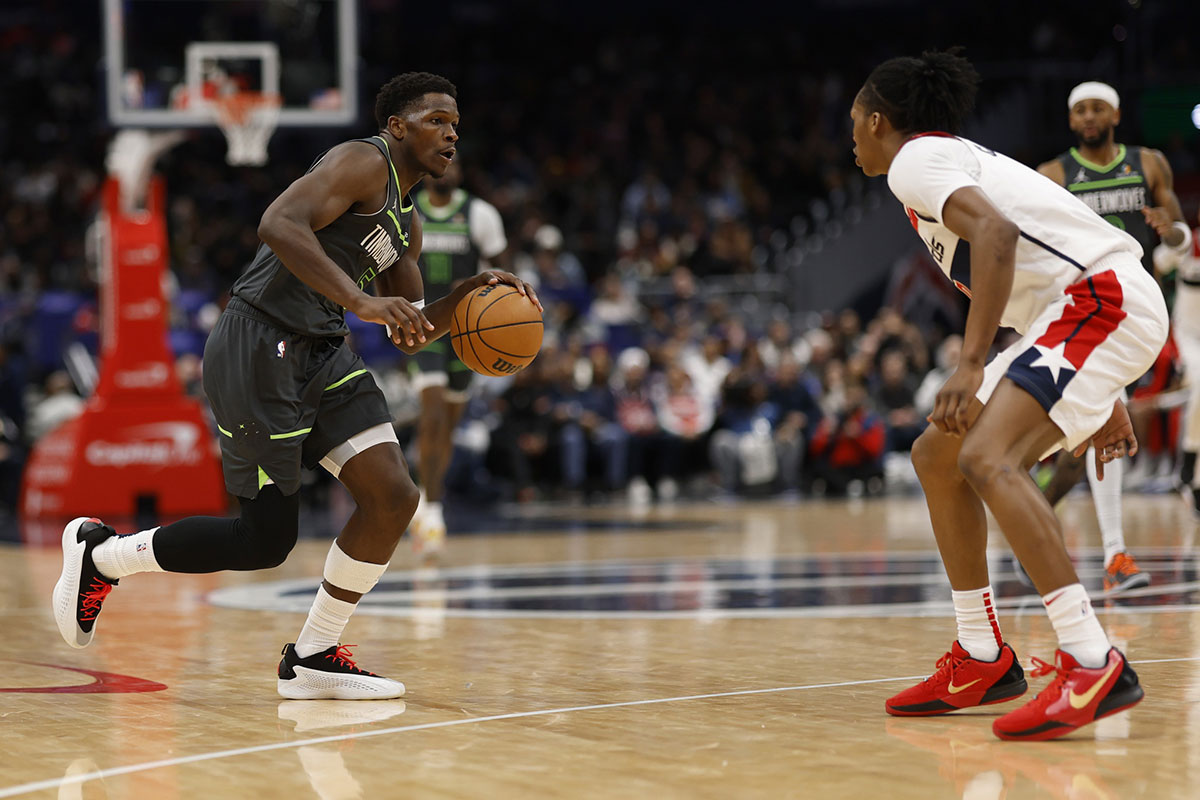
614,173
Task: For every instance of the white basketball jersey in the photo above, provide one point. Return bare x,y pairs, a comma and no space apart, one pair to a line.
1061,238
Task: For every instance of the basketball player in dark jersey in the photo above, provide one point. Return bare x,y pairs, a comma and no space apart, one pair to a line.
1132,188
287,391
462,233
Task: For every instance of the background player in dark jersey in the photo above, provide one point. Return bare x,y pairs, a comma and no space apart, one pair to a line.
287,391
1131,187
462,235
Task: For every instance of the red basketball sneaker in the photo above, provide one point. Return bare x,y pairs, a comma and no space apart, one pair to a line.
961,682
1075,697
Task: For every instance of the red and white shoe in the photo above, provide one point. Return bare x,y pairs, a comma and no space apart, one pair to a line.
1077,696
962,682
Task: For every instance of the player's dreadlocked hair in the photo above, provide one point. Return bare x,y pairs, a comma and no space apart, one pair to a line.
397,95
932,93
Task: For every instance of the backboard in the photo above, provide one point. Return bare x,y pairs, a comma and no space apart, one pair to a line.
166,59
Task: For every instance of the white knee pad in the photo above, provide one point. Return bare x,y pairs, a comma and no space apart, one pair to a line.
336,458
344,572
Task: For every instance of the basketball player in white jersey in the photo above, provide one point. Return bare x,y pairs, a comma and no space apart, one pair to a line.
1036,259
1185,317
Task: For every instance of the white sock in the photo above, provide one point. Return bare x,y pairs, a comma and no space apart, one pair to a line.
118,556
326,621
1106,495
1075,623
978,631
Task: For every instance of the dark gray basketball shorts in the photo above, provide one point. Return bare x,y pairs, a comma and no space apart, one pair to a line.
282,400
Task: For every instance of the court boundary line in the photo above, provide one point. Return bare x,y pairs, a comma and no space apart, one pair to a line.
112,772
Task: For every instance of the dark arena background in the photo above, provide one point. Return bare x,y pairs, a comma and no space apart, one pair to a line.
684,553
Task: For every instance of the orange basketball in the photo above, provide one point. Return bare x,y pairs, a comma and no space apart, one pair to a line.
496,330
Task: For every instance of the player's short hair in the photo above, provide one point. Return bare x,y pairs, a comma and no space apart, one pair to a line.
400,93
935,92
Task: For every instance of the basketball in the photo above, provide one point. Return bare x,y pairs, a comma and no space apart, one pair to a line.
496,330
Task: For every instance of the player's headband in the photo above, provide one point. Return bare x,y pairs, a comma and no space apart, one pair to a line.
1094,90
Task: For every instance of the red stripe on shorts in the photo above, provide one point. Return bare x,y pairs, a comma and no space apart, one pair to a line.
1094,313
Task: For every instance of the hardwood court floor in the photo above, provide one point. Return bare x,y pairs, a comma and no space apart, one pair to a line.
697,651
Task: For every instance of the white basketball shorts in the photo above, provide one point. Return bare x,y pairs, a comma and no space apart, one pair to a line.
1099,336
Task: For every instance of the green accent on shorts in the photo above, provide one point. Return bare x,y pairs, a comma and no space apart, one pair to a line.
225,432
291,434
354,374
263,478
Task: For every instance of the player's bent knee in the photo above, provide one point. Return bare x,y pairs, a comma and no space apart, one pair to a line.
392,495
979,465
270,526
272,551
934,454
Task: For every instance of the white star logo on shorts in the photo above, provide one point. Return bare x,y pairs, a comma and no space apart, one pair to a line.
1053,359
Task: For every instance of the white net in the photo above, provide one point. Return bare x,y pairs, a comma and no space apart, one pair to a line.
247,119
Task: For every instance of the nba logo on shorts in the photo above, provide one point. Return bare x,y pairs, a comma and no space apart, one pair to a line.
280,348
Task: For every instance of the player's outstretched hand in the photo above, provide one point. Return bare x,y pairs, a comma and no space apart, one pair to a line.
494,276
1114,440
401,317
951,409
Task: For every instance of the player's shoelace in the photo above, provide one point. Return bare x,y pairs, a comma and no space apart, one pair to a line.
94,598
945,667
1042,668
341,657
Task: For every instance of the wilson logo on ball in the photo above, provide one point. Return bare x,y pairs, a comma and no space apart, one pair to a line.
503,366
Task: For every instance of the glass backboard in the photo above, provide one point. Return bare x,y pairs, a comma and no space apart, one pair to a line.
165,59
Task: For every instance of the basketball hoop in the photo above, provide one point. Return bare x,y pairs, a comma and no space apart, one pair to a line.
247,119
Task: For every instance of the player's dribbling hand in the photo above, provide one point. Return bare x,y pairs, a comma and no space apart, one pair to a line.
951,409
494,276
401,317
1114,440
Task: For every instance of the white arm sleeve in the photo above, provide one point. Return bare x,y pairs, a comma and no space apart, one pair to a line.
487,228
928,170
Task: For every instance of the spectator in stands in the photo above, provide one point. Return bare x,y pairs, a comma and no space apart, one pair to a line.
799,416
894,398
778,344
743,447
590,432
638,418
707,366
847,449
947,361
523,443
685,417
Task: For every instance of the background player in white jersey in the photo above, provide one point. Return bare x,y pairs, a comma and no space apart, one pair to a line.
463,236
1036,259
1132,188
1186,330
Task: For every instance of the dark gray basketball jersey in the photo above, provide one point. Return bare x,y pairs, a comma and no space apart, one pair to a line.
1116,191
362,245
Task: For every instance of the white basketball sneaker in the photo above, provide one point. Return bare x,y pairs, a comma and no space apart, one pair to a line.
81,589
331,675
